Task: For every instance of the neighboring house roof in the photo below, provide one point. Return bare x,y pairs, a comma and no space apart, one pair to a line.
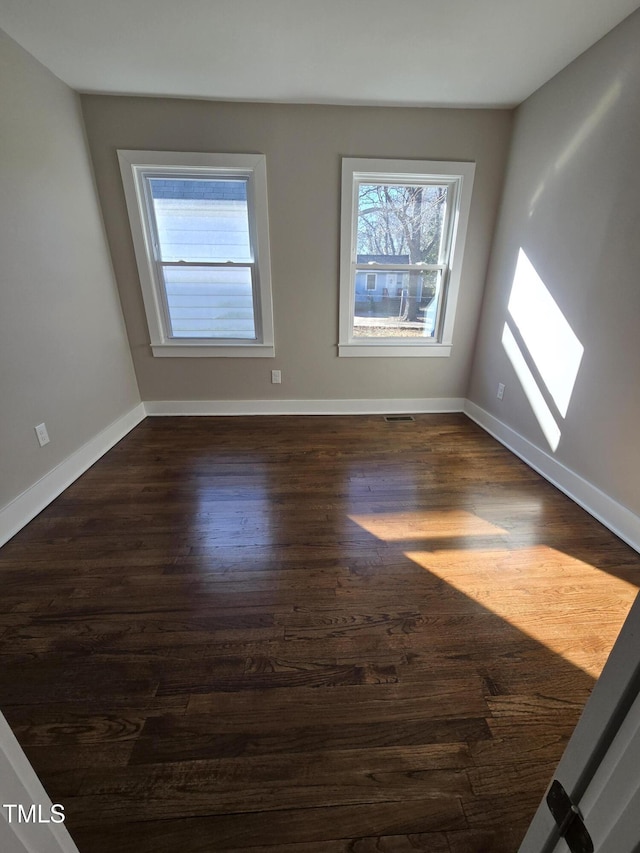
383,259
199,189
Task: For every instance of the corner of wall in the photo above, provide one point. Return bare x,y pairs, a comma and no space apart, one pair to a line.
20,511
616,517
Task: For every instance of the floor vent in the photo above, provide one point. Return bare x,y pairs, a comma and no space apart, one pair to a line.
394,418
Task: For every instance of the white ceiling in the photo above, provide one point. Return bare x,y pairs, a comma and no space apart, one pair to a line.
396,52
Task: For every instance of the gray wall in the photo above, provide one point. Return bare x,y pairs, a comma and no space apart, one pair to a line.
63,352
303,146
572,203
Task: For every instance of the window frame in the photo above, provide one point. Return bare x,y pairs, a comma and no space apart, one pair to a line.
459,176
136,168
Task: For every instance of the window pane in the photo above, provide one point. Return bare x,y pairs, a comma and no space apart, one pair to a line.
400,223
403,305
203,219
210,302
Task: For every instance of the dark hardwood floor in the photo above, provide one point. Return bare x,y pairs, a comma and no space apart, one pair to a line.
307,635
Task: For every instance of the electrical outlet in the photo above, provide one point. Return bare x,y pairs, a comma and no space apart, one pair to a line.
500,394
276,377
43,435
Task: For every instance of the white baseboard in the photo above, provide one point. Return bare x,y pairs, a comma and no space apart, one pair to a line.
33,500
612,514
620,520
305,407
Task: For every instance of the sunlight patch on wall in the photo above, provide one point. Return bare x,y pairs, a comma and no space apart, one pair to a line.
551,341
551,345
537,402
546,594
593,120
432,524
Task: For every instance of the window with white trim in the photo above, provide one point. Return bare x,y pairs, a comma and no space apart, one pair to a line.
201,237
406,219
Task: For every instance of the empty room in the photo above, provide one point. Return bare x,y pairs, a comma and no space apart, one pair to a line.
319,515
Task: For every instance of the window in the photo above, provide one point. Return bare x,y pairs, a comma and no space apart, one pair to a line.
200,231
371,281
407,219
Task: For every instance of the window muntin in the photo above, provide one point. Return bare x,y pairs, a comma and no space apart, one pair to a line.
200,231
405,221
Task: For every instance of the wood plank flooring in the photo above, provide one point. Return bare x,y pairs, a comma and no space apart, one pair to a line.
305,635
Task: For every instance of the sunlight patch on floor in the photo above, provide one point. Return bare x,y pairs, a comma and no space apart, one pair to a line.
432,524
547,594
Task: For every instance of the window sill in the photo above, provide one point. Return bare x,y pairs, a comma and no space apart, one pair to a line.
207,351
394,350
